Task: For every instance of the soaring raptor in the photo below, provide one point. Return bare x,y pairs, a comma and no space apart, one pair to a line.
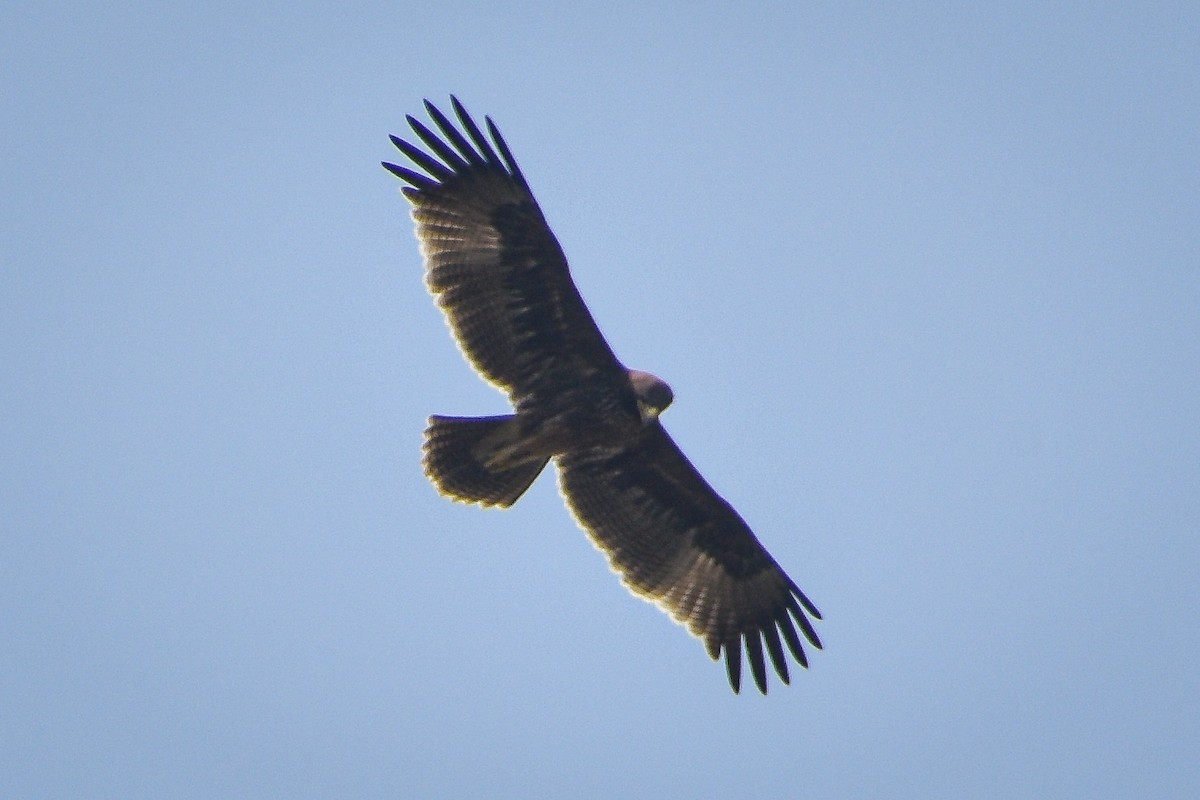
502,280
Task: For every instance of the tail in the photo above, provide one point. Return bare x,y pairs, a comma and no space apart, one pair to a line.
461,455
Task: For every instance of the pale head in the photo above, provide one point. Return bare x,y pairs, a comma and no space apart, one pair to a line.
653,394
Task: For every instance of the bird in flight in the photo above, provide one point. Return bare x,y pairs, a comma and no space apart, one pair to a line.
499,275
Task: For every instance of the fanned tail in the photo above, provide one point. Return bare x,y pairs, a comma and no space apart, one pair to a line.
462,456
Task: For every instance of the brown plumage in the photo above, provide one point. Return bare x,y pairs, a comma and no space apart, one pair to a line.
502,280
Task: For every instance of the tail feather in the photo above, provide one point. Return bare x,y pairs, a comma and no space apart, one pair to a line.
456,460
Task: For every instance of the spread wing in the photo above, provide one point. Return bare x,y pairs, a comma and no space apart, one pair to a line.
676,542
493,263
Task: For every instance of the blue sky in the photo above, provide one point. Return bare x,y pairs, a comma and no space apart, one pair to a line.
924,279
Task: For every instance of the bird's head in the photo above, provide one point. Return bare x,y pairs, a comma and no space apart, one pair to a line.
653,394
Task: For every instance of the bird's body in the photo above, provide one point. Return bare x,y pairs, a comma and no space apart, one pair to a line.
503,282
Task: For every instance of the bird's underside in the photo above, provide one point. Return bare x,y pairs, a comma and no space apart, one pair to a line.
502,281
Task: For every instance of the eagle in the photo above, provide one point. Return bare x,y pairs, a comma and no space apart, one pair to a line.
498,273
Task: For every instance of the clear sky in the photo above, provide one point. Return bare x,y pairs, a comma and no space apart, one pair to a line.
924,278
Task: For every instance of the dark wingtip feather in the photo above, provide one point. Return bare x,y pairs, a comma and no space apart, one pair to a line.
809,606
460,110
806,626
505,153
733,664
403,173
481,142
435,143
771,634
452,133
754,654
431,165
789,635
